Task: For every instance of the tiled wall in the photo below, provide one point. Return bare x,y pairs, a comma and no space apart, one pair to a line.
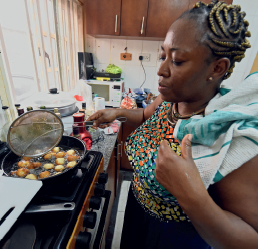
107,51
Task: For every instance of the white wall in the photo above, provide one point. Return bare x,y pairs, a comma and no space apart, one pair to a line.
107,51
243,68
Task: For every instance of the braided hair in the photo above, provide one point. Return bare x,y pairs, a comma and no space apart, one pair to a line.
226,36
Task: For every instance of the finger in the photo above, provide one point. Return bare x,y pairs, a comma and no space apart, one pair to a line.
94,116
186,148
165,148
103,126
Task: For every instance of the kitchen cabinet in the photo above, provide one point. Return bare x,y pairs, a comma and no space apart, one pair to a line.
113,174
103,17
145,18
134,17
161,14
127,130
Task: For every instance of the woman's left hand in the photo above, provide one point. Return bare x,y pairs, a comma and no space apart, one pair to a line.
179,174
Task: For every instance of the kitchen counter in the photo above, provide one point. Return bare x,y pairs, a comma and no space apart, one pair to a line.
106,145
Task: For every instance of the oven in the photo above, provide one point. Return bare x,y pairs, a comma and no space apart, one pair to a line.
78,224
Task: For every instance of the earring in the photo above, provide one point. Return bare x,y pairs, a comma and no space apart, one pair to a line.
210,79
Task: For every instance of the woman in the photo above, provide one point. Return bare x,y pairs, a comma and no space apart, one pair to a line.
201,195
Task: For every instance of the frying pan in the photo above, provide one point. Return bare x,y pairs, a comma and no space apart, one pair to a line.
66,142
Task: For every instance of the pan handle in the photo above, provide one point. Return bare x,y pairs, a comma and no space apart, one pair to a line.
66,206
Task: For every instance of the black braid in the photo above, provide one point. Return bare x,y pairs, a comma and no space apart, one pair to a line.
227,30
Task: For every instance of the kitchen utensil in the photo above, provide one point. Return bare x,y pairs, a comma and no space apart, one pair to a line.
66,143
121,119
35,133
15,194
65,103
66,206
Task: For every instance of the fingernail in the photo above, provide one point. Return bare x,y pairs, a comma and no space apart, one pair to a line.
94,123
190,136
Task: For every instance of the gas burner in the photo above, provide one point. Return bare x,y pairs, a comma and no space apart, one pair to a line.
55,229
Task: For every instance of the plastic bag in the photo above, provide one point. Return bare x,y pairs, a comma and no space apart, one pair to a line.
111,68
83,92
128,103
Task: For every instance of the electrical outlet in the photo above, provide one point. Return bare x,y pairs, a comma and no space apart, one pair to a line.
146,57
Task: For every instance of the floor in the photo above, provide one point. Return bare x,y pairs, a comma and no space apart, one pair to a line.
117,213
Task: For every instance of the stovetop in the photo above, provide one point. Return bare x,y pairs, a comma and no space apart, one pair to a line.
53,229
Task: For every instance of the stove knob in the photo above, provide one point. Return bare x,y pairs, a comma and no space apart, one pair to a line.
103,178
95,202
83,240
89,219
99,189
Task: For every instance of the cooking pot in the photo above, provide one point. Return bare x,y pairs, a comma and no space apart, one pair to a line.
66,142
65,103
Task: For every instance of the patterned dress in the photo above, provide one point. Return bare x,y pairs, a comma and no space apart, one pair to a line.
141,148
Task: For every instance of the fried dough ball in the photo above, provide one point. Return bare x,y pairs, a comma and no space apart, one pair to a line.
70,152
48,156
71,164
44,174
59,168
36,165
22,172
22,164
30,166
60,154
53,154
56,149
31,176
60,161
25,158
48,166
71,158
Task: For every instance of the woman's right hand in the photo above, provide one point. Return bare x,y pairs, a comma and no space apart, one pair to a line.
106,116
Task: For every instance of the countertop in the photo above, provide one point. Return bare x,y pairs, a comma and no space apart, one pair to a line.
105,144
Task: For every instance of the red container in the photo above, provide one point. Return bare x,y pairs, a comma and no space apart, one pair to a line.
78,118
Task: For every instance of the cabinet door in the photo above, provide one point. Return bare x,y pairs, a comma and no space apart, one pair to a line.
103,17
161,14
193,2
133,17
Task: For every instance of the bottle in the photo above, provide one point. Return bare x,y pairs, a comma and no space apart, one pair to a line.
29,108
17,106
20,111
95,96
57,112
76,131
84,105
6,126
78,118
87,111
81,111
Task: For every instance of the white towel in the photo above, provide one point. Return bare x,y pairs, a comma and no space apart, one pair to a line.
227,136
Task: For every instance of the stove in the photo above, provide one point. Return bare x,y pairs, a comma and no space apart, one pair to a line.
80,221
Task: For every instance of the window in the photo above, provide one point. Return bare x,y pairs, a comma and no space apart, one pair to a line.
42,39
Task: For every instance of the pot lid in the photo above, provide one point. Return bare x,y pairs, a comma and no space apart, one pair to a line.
52,100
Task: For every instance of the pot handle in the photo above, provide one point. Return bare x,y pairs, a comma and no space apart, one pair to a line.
84,165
